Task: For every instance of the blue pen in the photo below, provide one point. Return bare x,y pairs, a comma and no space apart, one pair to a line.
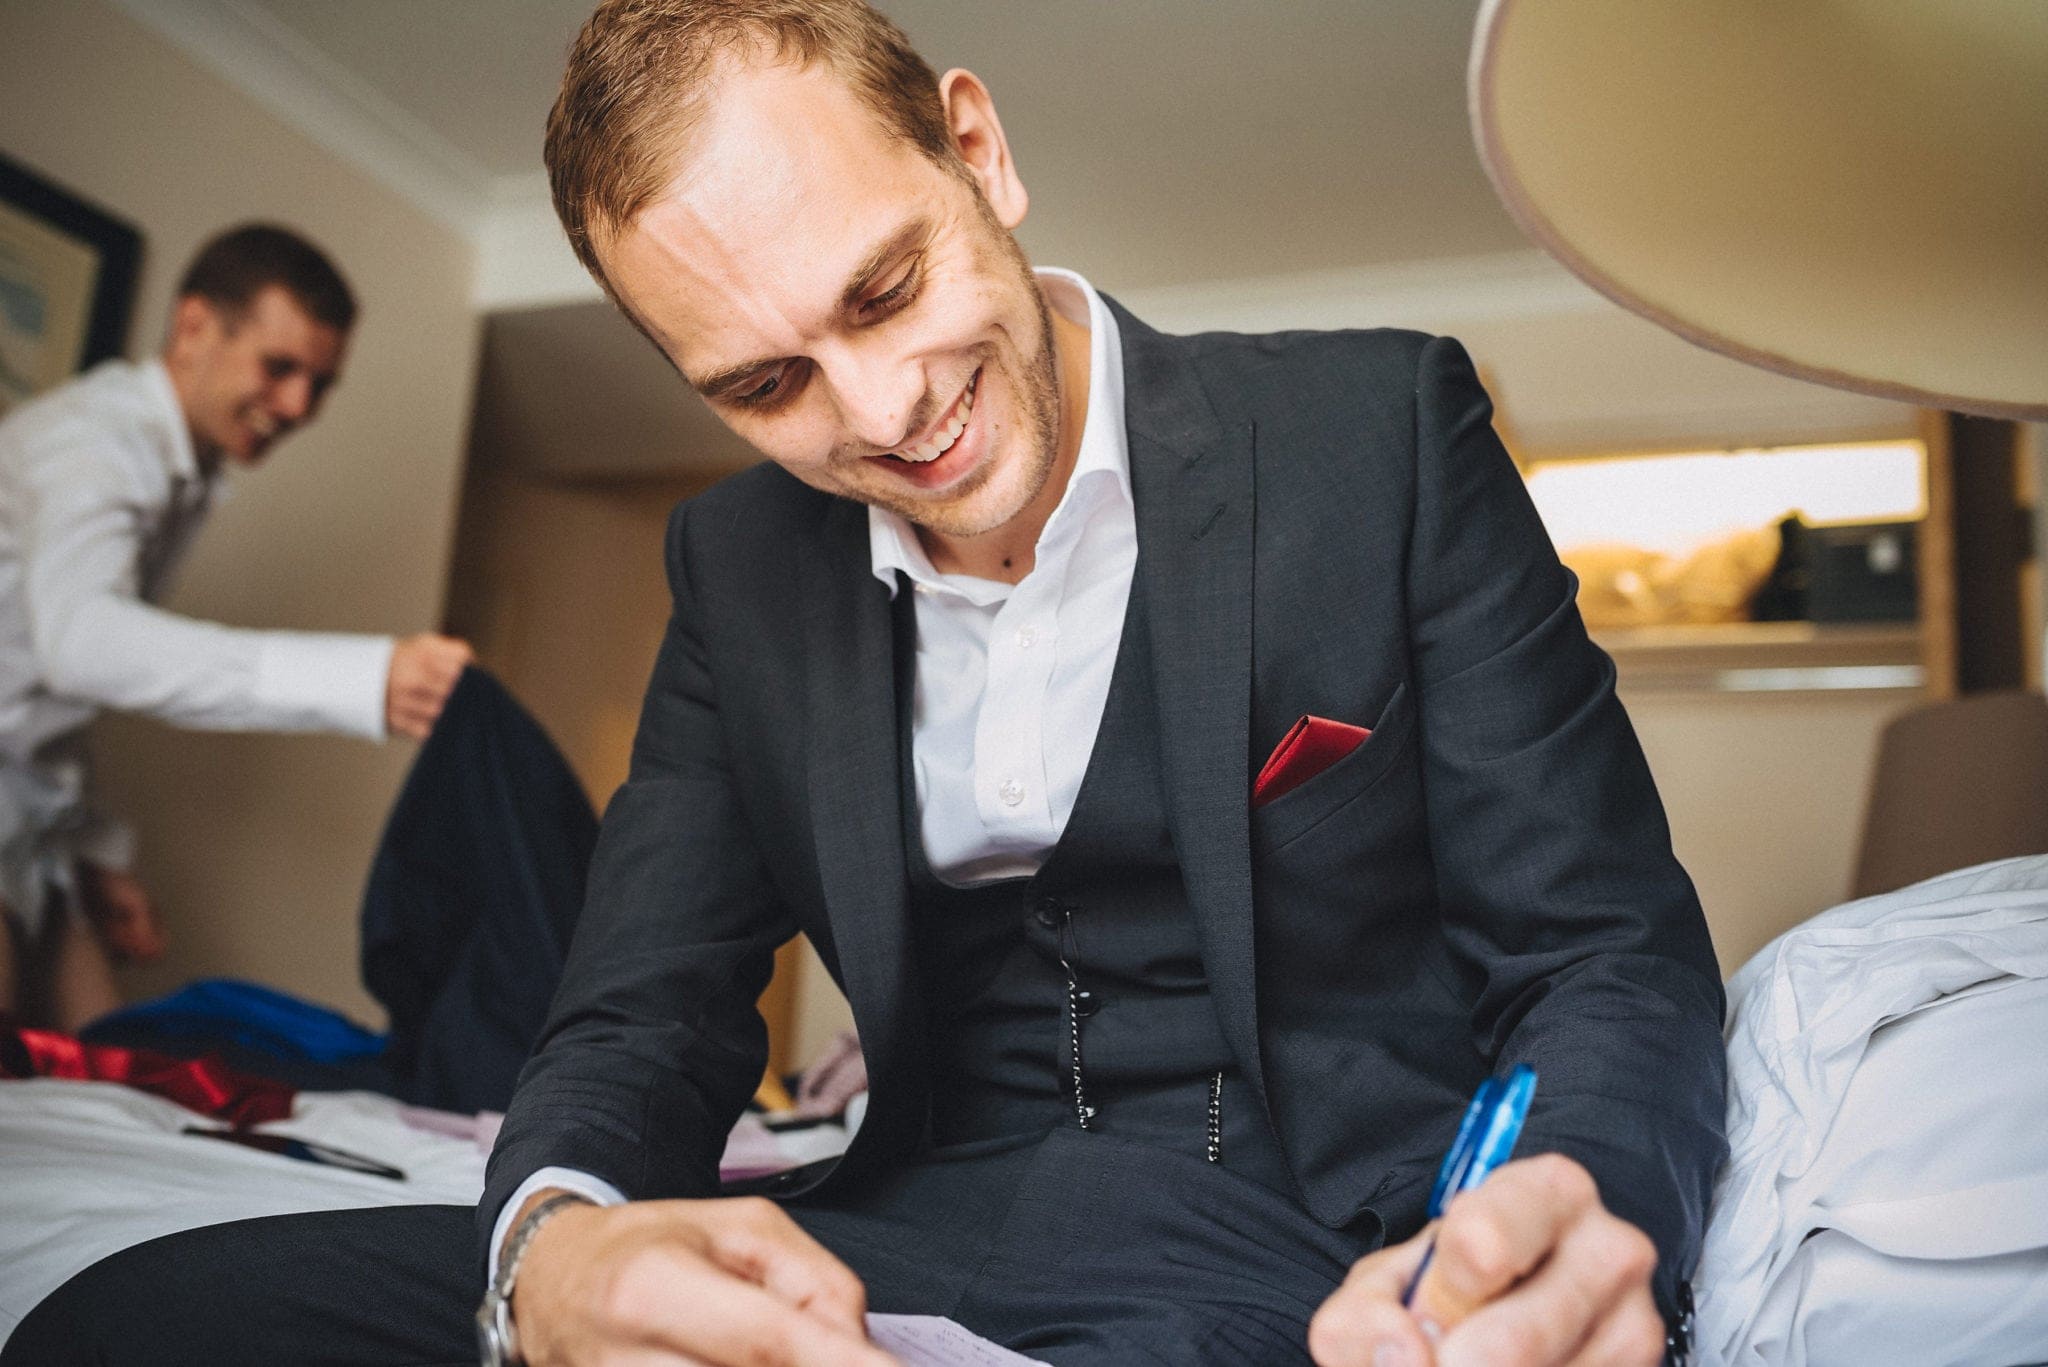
1486,1136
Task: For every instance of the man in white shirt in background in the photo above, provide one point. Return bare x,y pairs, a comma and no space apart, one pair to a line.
104,482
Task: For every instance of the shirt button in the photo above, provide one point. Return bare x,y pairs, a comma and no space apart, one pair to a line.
1027,637
1012,792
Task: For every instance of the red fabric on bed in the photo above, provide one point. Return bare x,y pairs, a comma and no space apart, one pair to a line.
205,1085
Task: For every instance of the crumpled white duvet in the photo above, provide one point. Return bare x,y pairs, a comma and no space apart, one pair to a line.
1886,1198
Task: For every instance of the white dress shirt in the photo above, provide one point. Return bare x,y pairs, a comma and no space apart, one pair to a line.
1011,679
100,497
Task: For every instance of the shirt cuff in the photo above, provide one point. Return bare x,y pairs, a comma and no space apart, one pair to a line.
105,843
594,1189
324,681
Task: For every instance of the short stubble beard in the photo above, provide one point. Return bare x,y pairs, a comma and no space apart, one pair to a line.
1039,393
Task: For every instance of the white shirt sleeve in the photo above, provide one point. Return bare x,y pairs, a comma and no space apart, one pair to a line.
103,840
95,640
595,1189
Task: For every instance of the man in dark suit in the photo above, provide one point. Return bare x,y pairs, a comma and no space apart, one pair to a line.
970,684
1323,526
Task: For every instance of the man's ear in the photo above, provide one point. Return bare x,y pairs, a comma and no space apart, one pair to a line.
978,138
194,322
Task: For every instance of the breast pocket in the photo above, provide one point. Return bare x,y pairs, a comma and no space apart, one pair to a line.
1298,812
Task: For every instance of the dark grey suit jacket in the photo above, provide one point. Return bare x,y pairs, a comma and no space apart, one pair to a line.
1327,525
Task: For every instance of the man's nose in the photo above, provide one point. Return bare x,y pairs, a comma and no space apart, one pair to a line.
879,395
292,399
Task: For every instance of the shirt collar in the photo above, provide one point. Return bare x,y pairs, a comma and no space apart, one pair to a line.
1104,458
176,448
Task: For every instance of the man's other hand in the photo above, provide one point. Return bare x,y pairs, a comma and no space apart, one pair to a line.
121,911
424,670
725,1281
1530,1270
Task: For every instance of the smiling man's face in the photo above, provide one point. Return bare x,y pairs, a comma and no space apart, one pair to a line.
245,378
853,310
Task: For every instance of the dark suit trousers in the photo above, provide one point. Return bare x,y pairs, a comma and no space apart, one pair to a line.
1028,1242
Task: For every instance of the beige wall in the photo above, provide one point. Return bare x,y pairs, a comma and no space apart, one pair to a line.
1765,793
258,845
562,589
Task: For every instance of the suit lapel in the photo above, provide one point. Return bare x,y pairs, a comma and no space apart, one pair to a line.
856,803
1191,478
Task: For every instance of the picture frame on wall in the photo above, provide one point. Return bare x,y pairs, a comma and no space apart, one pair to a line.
67,283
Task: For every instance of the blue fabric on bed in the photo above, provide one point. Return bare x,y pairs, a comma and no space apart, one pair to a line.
251,1015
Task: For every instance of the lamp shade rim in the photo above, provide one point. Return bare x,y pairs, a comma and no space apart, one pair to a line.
1529,215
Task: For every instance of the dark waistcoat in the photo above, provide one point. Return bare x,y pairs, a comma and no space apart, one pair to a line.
1097,952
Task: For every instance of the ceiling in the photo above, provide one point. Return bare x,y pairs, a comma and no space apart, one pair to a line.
1273,136
1217,163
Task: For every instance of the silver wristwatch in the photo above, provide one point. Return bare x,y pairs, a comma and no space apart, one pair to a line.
497,1344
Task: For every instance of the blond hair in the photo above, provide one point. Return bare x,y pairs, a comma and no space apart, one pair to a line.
634,86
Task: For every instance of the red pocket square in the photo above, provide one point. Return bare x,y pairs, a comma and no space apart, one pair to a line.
1310,746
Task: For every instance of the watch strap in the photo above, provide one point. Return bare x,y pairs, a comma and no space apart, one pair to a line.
499,1340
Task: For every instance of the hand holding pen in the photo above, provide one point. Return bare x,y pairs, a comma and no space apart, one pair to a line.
1486,1136
1525,1268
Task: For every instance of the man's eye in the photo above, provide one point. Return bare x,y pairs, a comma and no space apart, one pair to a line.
895,297
770,389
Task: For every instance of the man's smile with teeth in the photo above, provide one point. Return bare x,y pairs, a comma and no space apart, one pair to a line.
942,440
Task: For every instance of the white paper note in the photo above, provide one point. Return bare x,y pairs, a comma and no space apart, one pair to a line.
934,1341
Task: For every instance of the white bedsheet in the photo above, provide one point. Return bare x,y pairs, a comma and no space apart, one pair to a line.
1886,1199
87,1168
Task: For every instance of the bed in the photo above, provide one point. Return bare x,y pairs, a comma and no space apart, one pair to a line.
1886,1199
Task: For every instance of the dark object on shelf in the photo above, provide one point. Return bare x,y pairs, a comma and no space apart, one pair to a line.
1783,595
1866,572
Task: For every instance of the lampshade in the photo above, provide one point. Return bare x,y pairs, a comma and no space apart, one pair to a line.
1849,191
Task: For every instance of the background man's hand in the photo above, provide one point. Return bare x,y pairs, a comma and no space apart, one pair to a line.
424,670
1530,1270
727,1281
121,912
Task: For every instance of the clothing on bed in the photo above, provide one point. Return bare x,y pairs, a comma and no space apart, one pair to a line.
471,901
1886,1200
251,1016
203,1085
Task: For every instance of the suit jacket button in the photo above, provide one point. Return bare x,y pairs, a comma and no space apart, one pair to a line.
1086,1003
1048,911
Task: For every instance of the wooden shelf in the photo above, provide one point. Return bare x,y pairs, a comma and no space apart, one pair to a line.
1917,658
1769,657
